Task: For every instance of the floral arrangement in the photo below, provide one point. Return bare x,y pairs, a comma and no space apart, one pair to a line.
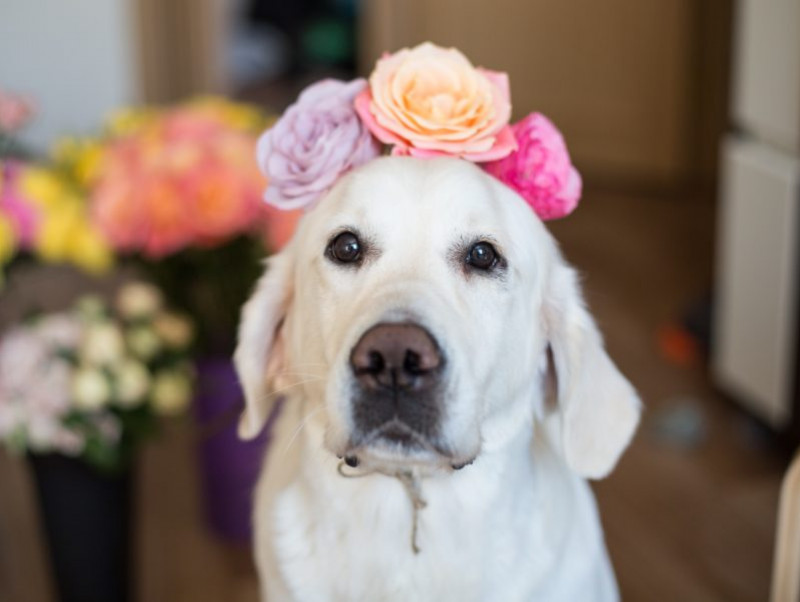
178,177
423,102
90,382
177,192
44,213
43,209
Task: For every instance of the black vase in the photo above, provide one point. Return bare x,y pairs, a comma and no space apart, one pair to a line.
86,518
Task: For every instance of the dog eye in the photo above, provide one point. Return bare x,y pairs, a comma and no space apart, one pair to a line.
345,248
482,256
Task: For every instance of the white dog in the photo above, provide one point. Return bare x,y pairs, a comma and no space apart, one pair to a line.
447,395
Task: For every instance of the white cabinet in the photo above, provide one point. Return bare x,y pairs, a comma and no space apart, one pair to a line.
766,71
755,342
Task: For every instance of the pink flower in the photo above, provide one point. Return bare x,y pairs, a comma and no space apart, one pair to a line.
540,170
317,139
184,178
430,101
19,210
15,111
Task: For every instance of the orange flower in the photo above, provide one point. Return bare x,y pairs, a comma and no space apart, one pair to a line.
185,177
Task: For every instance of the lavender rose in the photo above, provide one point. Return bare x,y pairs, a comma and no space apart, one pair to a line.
317,139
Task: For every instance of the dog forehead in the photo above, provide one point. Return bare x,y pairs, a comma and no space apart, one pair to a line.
432,203
403,190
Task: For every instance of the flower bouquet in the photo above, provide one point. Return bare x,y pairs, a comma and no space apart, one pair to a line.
43,216
178,193
43,208
79,390
91,382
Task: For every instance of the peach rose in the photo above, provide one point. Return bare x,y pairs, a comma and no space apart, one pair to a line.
430,101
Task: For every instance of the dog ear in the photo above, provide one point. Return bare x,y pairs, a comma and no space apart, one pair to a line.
598,407
260,354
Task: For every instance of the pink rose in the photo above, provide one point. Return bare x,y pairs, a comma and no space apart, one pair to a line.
15,111
540,170
317,139
20,211
430,101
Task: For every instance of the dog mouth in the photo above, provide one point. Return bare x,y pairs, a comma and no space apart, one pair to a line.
397,446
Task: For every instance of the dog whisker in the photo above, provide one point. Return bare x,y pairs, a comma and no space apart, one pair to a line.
278,392
306,419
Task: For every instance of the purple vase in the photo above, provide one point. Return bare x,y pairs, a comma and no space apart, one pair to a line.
229,466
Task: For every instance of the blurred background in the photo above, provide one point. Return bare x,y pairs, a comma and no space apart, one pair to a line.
683,118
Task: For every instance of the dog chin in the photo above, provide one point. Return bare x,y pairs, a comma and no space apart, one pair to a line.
390,450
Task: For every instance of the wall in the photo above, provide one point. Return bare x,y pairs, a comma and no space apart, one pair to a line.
633,84
74,57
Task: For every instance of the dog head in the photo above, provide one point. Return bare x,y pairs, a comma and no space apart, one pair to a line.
414,309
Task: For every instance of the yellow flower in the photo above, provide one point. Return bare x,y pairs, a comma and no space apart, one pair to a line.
82,157
8,240
8,244
235,114
89,250
66,235
54,236
43,186
129,120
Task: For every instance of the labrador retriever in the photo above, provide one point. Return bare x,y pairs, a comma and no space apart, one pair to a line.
446,394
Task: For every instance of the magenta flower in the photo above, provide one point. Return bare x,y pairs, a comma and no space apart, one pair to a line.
540,170
317,139
19,210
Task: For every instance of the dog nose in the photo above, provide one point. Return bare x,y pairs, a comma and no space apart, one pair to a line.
398,357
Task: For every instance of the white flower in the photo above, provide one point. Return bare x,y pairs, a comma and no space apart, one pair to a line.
22,355
90,389
91,307
102,344
62,331
11,418
175,330
172,392
133,382
42,433
138,300
48,392
143,342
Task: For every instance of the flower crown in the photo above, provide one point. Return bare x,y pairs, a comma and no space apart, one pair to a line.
424,102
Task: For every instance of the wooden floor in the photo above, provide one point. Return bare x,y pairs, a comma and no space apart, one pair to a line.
687,524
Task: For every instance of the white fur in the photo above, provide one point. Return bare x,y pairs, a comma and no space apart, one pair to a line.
520,523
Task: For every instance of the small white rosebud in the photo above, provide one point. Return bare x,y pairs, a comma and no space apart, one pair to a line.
143,342
138,300
102,344
171,392
133,383
175,330
90,389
